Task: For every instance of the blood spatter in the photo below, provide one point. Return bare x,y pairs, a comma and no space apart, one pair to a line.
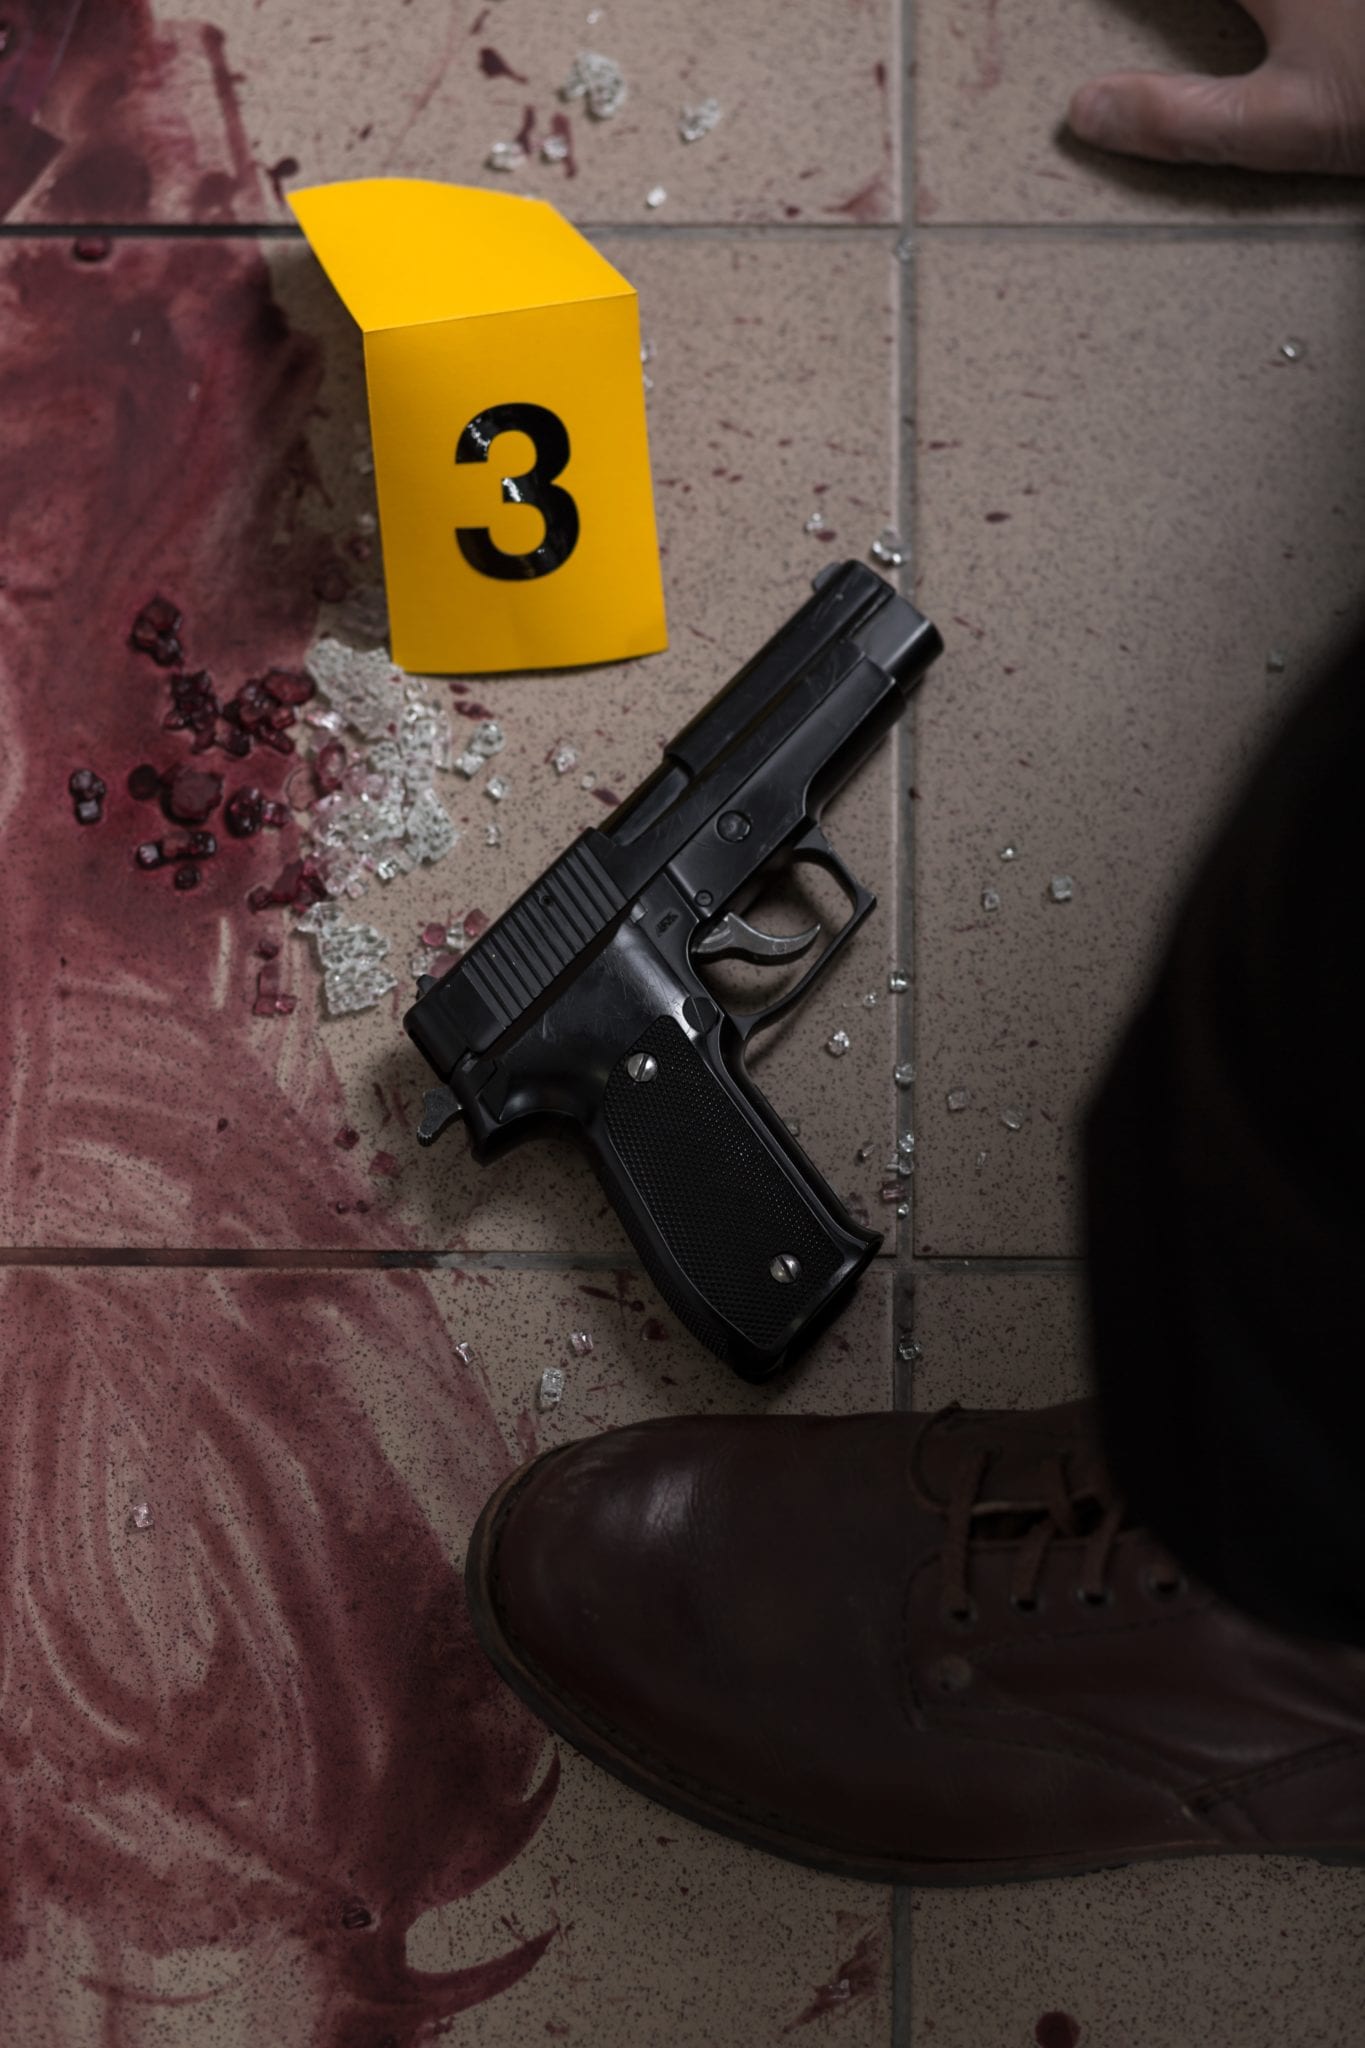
347,1138
331,581
298,884
312,1745
493,64
145,783
188,876
561,126
287,167
91,248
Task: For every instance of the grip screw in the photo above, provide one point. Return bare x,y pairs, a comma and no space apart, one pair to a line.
642,1066
732,825
784,1267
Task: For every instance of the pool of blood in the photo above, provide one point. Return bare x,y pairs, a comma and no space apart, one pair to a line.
267,1706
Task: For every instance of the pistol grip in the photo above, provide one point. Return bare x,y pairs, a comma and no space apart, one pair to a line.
742,1236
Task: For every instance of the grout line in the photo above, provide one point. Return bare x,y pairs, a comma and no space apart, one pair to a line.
142,231
993,1262
1144,231
907,411
177,1258
901,1950
813,231
906,1265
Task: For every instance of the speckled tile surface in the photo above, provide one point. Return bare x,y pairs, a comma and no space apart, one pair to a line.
1134,1959
260,1782
991,90
243,511
993,1339
1216,1950
268,95
1130,507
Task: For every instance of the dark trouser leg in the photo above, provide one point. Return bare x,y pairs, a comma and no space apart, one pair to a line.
1225,1197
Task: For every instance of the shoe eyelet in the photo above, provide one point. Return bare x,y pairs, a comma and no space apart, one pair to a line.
1164,1589
1104,1599
961,1617
1025,1606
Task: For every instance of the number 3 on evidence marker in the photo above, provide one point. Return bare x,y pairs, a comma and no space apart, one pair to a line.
535,486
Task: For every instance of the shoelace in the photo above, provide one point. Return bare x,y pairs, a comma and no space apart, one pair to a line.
1057,1515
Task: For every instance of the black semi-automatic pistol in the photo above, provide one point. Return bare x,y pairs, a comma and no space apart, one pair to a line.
582,1008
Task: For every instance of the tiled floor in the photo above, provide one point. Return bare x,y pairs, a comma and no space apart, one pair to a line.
887,287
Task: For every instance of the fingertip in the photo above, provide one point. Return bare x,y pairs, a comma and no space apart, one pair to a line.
1092,114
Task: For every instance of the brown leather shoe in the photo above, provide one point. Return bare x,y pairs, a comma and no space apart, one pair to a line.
915,1649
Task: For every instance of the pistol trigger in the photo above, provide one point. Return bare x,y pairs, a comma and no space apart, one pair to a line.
733,934
440,1107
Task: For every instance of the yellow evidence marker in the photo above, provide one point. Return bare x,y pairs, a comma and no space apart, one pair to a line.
507,410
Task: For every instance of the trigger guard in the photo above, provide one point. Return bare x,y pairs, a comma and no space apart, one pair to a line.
814,846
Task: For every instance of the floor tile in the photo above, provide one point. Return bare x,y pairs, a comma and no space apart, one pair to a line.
1142,1959
721,1944
216,123
993,1339
1215,1950
222,462
992,87
260,1782
1138,527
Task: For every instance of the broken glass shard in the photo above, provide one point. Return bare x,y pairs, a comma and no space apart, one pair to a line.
599,81
360,682
694,122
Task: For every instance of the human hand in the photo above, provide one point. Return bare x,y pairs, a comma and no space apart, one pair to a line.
1302,109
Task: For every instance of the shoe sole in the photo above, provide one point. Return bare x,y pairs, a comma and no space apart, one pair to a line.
603,1748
